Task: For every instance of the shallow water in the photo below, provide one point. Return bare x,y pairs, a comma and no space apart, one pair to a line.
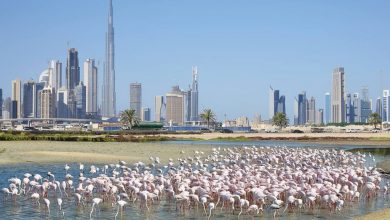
24,209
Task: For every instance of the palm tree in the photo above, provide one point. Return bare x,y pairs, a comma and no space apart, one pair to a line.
280,120
375,119
129,118
208,116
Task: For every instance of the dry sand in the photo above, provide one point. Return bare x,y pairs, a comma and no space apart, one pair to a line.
102,152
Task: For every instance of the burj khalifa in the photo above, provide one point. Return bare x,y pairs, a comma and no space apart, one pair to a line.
109,94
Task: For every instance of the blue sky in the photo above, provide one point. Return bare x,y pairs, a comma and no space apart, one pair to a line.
240,47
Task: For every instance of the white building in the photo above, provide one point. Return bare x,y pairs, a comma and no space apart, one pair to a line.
91,86
175,106
386,106
55,74
158,108
338,101
48,104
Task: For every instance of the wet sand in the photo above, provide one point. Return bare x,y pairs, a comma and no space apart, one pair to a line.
377,215
368,139
90,152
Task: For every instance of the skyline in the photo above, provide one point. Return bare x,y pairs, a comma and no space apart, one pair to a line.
231,56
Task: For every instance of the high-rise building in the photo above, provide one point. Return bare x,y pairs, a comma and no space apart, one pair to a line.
44,77
385,106
16,99
7,108
338,102
158,108
296,111
349,109
273,102
55,74
91,84
311,111
365,106
175,106
356,103
302,102
187,103
145,114
327,110
30,99
80,95
276,103
38,87
47,104
282,105
62,103
72,69
136,98
320,117
194,96
1,103
378,106
109,95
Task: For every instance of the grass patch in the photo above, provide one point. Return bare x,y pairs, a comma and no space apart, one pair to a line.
379,139
25,136
3,150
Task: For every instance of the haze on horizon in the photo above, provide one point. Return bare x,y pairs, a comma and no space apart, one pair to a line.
240,48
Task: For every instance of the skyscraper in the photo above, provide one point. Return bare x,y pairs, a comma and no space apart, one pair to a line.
136,98
386,106
29,100
109,95
7,108
72,69
158,108
80,95
91,84
1,103
311,111
55,74
175,106
281,107
327,110
62,103
320,117
365,106
194,95
47,104
187,103
378,106
302,102
16,99
273,102
338,102
38,87
145,114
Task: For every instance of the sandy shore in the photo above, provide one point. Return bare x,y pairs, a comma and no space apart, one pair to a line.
209,136
88,152
377,215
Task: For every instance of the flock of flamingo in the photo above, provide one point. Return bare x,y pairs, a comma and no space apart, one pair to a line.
254,181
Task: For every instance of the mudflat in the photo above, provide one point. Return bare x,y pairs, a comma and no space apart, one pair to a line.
14,152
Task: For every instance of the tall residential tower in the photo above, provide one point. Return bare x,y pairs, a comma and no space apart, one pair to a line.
338,101
136,98
109,95
194,96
